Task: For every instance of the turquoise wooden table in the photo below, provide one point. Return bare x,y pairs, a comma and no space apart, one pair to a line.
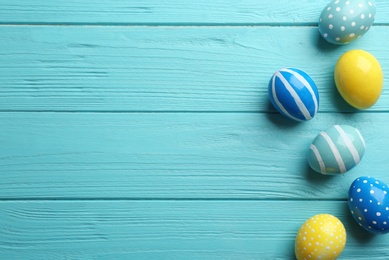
143,129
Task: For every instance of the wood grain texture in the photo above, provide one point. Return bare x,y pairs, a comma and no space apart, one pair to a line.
143,130
169,230
74,68
175,12
178,155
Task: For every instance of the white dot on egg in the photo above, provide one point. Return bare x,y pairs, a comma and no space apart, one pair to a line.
351,11
348,2
365,210
370,4
360,200
362,16
358,190
385,223
359,218
325,35
337,39
329,8
369,15
344,18
374,222
342,28
337,2
337,9
330,16
367,28
378,214
371,191
353,24
330,26
362,27
365,181
387,208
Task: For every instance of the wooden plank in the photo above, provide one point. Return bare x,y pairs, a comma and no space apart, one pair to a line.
177,155
169,12
170,229
165,68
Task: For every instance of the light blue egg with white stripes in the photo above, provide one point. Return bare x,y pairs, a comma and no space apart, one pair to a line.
294,94
337,150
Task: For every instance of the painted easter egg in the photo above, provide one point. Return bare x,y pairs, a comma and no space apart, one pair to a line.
336,150
368,201
321,237
294,94
359,78
343,21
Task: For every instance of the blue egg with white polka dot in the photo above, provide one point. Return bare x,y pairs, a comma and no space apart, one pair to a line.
294,94
368,201
344,21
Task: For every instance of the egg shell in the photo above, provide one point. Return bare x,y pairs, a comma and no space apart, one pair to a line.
343,21
336,150
321,237
359,78
294,94
368,202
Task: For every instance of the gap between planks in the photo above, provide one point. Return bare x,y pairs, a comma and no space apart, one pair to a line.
162,25
169,199
179,112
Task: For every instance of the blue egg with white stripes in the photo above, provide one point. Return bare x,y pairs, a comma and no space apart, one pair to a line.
337,150
294,94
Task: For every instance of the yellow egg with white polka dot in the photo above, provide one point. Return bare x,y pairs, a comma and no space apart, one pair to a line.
359,78
321,237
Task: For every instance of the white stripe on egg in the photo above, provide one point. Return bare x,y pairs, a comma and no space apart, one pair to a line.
279,104
318,158
349,144
296,97
306,84
335,152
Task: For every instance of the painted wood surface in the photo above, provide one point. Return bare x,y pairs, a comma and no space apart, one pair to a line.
169,229
167,69
174,12
142,130
176,155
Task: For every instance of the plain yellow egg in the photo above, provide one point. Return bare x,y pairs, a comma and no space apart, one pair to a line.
321,237
359,78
